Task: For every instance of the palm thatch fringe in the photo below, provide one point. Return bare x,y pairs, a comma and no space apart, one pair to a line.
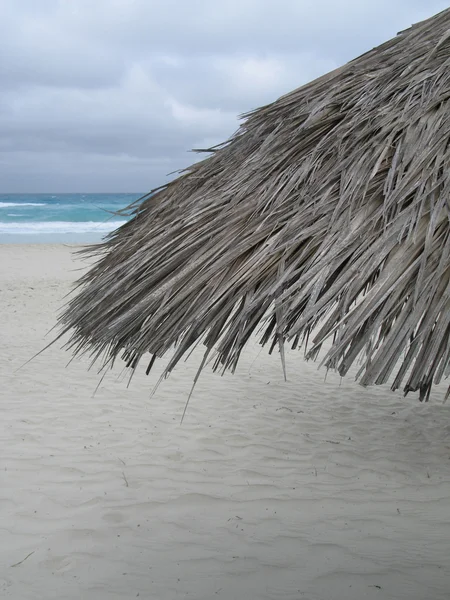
328,209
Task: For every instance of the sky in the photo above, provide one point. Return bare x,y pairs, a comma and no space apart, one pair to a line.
112,95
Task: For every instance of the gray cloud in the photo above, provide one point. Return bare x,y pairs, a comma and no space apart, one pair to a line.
112,94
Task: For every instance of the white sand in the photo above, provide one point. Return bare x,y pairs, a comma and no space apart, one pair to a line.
268,490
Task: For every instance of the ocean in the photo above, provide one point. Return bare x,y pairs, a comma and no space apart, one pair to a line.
60,218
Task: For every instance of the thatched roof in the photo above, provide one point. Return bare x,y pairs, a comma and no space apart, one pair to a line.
329,207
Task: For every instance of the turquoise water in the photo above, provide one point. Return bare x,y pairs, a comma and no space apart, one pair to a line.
56,218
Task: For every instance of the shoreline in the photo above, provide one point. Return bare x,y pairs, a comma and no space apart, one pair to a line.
76,239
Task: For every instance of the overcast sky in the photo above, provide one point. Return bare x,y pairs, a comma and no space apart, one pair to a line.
110,95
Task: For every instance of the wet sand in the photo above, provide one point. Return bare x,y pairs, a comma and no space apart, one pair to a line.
268,490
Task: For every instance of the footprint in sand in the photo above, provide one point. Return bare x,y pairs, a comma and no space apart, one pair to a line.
59,563
4,583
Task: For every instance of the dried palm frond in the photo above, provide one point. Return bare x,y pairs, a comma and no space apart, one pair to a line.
328,209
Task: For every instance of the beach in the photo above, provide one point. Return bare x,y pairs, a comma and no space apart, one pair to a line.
310,488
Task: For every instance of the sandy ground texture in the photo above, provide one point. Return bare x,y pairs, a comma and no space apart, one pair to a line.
268,490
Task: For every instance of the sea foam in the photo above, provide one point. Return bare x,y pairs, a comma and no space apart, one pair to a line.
41,227
10,204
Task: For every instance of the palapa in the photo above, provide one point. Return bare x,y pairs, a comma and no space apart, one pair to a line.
326,213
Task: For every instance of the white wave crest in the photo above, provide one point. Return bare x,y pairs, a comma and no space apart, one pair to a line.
10,204
40,227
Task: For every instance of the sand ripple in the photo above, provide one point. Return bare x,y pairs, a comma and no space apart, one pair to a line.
269,489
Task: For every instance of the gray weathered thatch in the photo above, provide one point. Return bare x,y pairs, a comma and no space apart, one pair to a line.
329,208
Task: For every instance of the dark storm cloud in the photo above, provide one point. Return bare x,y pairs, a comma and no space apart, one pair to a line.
111,94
